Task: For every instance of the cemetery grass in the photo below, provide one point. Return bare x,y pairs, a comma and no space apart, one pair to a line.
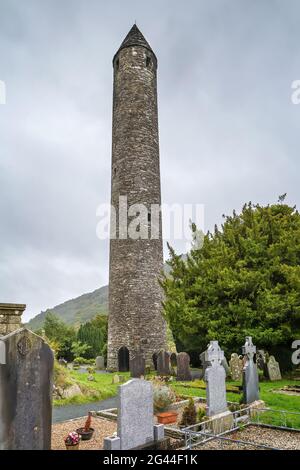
275,401
100,389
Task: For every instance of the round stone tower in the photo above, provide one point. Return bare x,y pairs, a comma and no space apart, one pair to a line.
135,322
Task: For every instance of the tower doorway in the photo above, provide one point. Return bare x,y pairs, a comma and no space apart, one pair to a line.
123,359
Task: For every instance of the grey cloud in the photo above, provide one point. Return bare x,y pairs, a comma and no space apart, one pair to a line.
228,130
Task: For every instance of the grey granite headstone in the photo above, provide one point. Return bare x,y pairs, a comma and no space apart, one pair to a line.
100,363
137,366
183,367
163,363
250,374
215,377
25,392
135,413
236,367
273,369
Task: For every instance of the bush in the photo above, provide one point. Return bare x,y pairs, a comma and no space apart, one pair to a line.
163,396
81,360
61,376
201,415
189,414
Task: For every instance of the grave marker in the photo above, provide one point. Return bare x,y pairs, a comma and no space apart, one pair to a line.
26,368
215,377
250,374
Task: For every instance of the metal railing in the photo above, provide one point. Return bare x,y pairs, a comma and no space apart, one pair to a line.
202,433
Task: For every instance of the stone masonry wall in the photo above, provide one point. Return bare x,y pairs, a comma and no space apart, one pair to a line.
10,317
135,311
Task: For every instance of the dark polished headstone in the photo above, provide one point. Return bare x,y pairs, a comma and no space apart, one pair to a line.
137,366
183,367
163,363
25,392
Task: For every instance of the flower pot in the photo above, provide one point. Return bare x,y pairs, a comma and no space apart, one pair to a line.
168,417
72,446
85,435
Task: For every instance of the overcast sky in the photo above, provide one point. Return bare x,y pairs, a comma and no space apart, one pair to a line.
229,132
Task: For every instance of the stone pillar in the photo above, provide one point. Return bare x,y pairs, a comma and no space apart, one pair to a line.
10,317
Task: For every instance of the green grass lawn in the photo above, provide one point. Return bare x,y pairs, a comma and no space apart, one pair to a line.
102,388
276,401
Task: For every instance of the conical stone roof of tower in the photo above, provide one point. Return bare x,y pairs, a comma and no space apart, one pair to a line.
135,38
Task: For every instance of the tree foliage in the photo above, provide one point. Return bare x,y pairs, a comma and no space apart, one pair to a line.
94,334
62,334
245,280
88,342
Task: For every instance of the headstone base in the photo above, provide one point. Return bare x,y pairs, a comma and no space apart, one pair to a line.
112,443
221,422
255,406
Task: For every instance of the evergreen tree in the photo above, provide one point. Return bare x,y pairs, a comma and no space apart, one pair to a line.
94,334
245,280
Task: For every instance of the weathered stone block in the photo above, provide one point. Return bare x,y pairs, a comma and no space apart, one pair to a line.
112,443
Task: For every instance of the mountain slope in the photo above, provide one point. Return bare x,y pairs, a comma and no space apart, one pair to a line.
78,310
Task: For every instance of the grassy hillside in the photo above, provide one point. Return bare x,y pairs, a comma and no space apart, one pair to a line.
76,311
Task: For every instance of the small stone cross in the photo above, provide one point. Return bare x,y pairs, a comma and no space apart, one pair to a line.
249,349
215,355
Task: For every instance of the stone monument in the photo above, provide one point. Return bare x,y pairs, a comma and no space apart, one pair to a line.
100,365
135,317
250,374
135,417
215,377
236,367
273,369
163,363
137,366
183,367
26,366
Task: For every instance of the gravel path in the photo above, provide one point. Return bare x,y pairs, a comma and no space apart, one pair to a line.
63,413
284,440
103,428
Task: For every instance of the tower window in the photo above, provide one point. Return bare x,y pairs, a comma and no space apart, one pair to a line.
148,62
115,171
149,217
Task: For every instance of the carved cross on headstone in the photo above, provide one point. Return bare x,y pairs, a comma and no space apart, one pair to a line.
215,355
250,374
215,377
249,349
